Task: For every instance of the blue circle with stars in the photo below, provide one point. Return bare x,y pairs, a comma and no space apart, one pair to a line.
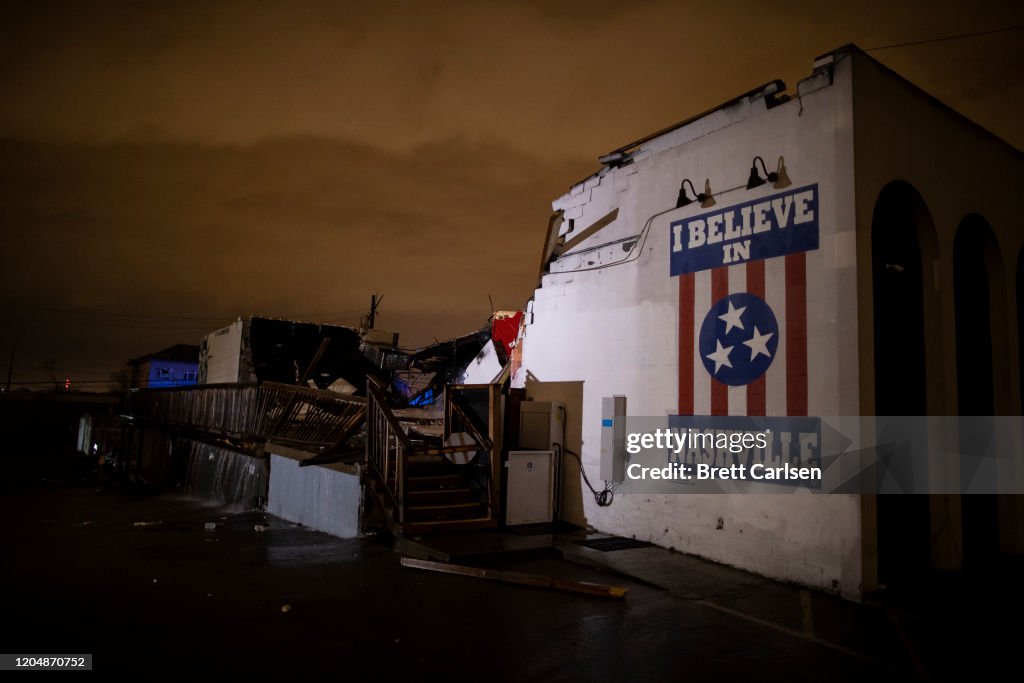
738,339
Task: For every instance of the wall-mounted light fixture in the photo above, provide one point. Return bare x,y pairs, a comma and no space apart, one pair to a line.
778,178
781,177
705,198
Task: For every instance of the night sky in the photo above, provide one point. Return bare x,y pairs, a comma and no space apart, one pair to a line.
165,169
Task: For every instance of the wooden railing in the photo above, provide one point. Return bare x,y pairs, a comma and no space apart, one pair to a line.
387,448
300,415
485,424
283,413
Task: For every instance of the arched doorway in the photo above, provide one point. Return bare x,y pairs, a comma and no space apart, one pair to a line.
903,250
979,286
976,269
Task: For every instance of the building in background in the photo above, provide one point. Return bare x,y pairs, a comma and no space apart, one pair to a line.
869,263
175,366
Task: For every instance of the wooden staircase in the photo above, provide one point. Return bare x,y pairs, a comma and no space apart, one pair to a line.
438,491
438,495
420,490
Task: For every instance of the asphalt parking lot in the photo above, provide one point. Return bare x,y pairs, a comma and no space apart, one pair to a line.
143,583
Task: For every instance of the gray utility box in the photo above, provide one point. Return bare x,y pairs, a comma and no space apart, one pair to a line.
529,490
613,438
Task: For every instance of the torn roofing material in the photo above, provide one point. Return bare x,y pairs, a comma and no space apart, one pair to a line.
450,357
433,367
286,351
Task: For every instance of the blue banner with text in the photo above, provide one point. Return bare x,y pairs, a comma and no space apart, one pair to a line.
780,224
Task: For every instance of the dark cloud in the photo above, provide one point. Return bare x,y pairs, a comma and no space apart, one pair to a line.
279,228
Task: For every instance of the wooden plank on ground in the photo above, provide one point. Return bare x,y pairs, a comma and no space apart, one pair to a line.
536,580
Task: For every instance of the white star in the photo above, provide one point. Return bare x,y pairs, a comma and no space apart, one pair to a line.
721,356
759,343
732,318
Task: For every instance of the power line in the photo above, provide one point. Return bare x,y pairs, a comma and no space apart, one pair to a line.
959,36
74,382
139,324
183,317
322,315
134,315
102,323
75,373
337,314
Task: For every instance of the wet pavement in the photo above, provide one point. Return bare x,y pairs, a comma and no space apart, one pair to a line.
139,581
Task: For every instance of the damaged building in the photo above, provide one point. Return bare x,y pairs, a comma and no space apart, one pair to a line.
279,418
257,349
861,245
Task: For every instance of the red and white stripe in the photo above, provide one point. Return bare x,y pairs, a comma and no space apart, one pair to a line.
782,390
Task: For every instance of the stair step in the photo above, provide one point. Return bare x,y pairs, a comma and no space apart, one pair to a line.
435,482
434,492
448,496
445,506
426,459
425,468
432,513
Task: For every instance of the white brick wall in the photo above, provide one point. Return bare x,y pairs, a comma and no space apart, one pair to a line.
616,330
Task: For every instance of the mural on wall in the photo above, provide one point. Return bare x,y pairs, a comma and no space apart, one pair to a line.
750,335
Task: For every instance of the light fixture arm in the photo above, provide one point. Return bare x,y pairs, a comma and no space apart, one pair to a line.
763,167
772,176
704,197
755,180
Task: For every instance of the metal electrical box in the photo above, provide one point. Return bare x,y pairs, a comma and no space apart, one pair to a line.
540,424
613,438
529,491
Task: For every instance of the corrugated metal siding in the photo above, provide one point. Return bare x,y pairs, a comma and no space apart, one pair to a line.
316,497
219,474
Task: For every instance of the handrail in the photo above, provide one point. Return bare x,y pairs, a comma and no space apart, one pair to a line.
374,388
489,439
457,404
387,448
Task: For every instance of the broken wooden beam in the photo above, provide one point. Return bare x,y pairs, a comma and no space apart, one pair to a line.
536,580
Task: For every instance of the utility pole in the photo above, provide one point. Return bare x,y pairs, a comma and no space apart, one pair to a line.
374,303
